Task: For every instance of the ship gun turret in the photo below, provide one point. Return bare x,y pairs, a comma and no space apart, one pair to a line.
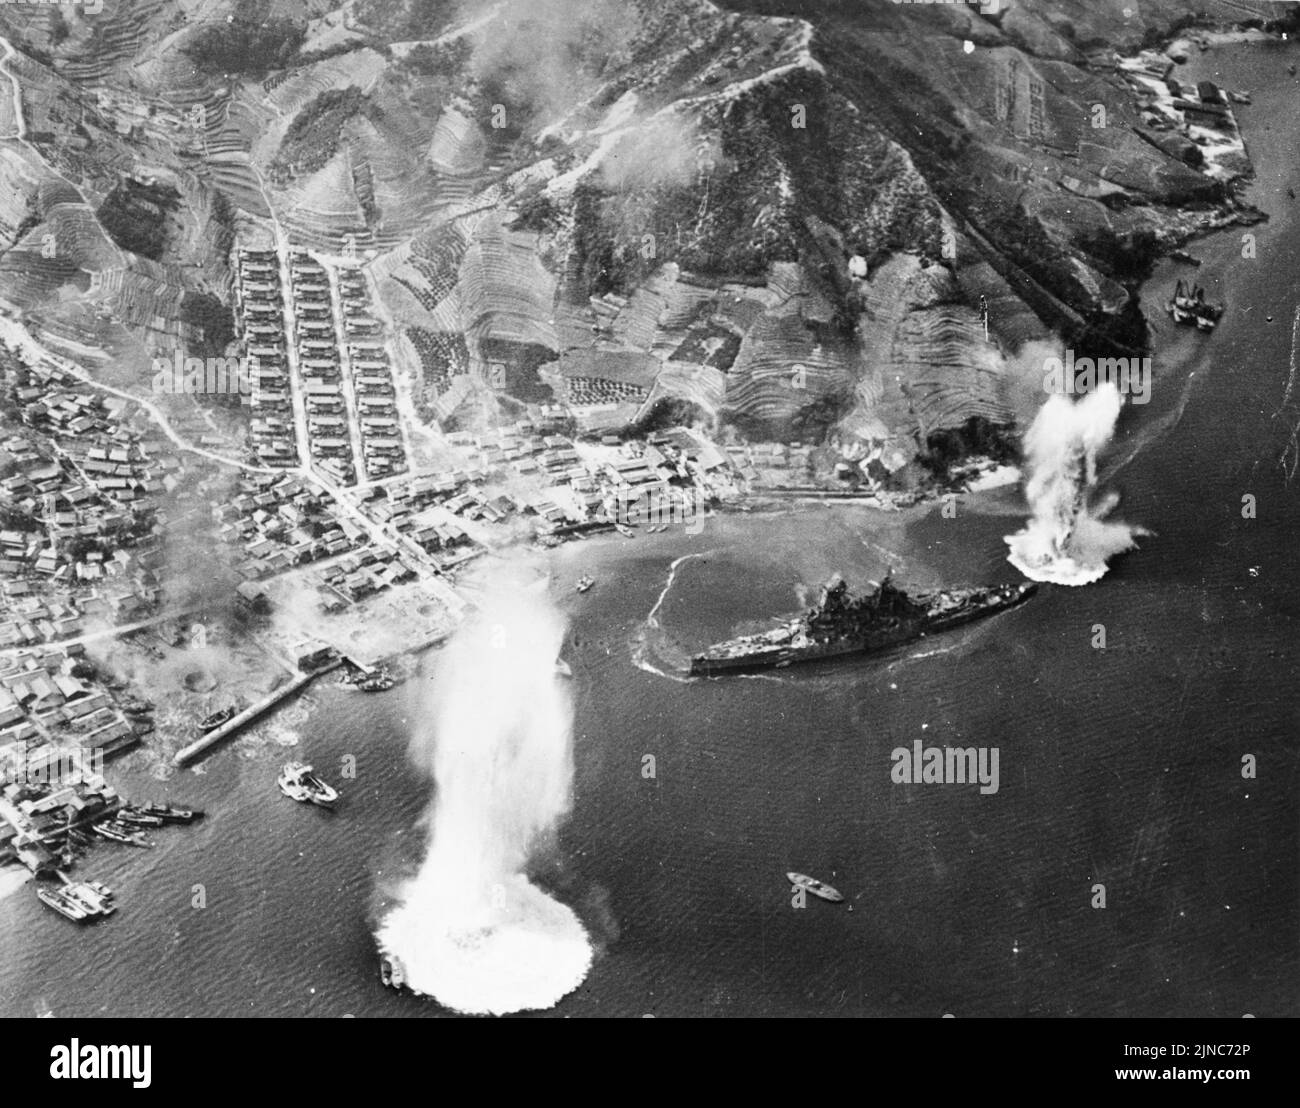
841,623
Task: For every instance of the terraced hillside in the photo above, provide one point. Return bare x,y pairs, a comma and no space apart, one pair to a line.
782,214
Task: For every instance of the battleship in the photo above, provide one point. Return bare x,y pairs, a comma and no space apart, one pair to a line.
841,623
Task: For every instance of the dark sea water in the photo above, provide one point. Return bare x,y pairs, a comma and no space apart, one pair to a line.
1120,768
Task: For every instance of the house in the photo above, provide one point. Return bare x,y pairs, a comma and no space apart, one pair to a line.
312,654
252,597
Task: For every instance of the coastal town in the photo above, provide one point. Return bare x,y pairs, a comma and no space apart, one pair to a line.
318,510
491,492
305,492
309,487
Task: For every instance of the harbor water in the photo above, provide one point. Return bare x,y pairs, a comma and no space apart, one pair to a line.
1119,768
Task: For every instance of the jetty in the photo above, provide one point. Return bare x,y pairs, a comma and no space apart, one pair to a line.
236,723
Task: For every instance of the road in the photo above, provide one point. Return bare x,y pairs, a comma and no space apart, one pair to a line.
103,633
17,335
347,373
290,323
20,126
20,136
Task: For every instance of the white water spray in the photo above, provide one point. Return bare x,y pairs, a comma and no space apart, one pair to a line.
1068,541
471,930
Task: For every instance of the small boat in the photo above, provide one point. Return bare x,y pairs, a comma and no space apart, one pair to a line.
298,782
129,835
94,896
62,903
137,818
562,668
168,814
584,583
812,885
119,833
377,682
1190,308
624,530
391,972
212,722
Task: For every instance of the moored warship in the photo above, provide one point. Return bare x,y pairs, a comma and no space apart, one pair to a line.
841,623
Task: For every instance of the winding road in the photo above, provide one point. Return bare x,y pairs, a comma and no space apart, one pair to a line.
17,335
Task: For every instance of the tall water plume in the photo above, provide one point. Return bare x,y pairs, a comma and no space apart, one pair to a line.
1068,539
470,929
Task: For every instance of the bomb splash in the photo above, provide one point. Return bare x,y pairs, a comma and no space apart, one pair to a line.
470,929
1069,540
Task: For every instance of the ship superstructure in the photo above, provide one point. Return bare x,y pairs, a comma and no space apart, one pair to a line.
841,623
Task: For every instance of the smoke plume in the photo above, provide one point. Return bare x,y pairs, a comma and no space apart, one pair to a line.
1068,540
471,930
544,56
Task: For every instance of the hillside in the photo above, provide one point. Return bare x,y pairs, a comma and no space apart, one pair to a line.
781,216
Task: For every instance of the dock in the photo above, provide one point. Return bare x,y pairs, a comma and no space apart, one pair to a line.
201,746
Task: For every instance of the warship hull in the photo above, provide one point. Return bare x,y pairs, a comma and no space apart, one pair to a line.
790,644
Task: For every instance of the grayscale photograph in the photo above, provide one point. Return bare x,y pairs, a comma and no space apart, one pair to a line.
650,508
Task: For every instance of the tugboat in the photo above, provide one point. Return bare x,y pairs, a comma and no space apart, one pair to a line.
1189,307
584,583
844,624
212,722
817,888
298,782
391,972
62,903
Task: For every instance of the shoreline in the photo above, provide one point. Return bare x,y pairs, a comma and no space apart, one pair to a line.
12,878
991,500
